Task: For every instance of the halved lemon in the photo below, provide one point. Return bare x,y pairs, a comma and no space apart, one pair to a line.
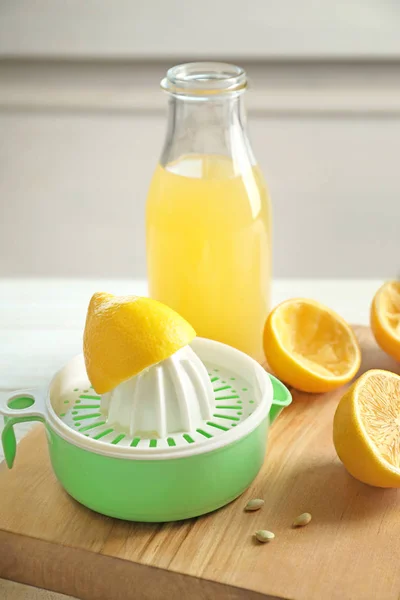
385,318
127,334
309,346
366,429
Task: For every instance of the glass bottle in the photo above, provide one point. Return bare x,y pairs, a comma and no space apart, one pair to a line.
208,215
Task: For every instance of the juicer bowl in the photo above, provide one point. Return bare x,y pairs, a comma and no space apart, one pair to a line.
184,475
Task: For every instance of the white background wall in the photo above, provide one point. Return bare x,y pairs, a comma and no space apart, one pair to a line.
82,122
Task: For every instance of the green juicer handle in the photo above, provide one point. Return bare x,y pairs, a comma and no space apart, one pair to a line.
281,398
23,406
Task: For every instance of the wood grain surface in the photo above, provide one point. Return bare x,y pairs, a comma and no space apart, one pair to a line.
350,550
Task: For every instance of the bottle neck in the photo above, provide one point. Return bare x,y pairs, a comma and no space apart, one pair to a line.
214,125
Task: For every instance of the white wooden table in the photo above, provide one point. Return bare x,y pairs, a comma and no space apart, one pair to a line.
42,320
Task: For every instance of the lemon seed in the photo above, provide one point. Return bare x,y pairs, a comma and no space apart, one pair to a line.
264,536
302,520
254,504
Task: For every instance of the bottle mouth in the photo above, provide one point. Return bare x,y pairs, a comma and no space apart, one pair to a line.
204,79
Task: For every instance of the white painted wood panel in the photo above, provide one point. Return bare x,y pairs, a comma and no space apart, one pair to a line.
73,189
313,87
227,28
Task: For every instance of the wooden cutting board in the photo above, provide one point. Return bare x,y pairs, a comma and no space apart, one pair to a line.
350,550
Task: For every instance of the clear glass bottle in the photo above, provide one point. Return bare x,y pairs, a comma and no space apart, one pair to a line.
208,211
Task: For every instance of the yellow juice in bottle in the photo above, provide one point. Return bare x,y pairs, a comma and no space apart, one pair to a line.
209,248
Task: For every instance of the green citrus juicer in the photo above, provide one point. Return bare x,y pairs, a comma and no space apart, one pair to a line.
182,438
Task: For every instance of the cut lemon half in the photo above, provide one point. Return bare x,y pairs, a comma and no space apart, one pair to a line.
310,347
127,334
366,429
385,318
